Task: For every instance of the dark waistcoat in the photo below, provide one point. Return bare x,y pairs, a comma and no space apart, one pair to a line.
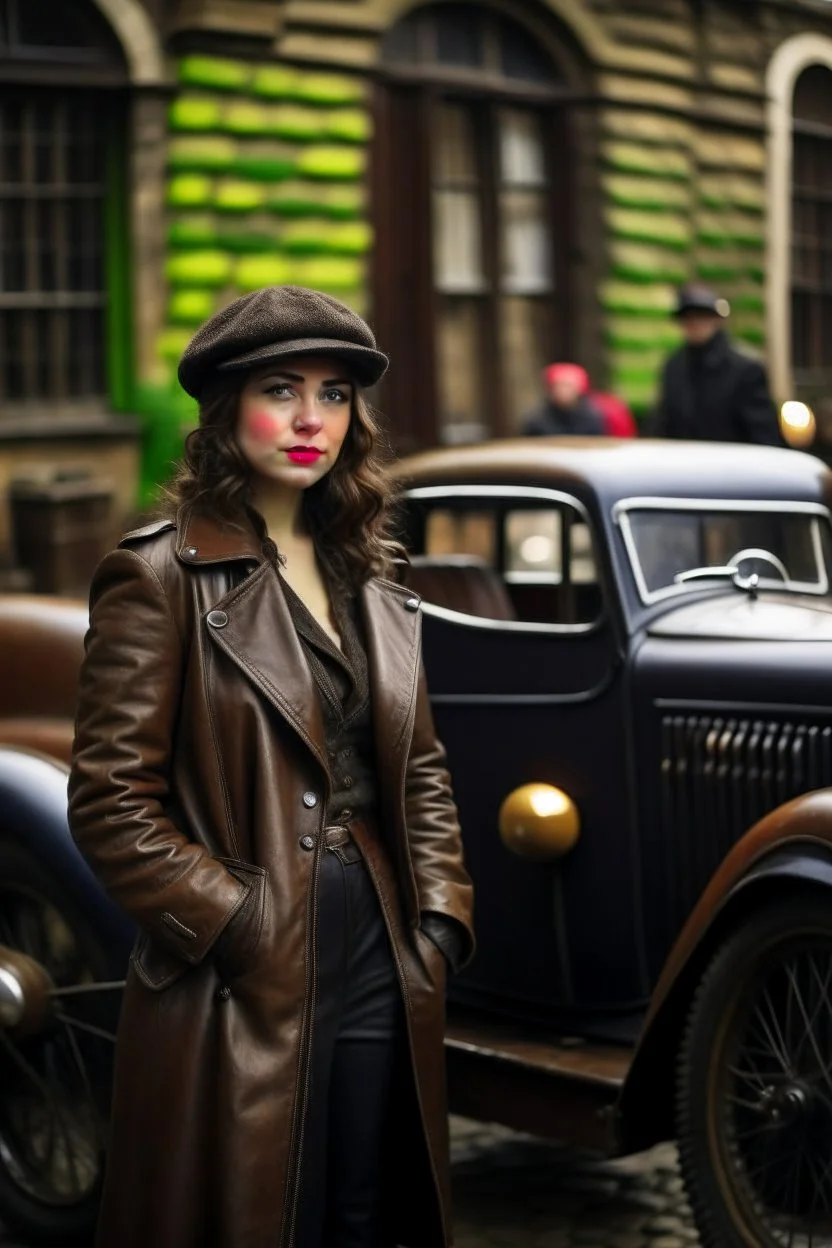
342,681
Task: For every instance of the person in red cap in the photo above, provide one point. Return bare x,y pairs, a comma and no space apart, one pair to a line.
567,407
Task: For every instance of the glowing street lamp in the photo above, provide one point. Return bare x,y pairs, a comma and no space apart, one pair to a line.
797,423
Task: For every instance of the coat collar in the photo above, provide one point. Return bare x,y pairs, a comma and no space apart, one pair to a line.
204,539
253,624
713,353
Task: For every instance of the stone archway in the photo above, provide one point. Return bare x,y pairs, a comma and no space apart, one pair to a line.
785,67
583,25
139,38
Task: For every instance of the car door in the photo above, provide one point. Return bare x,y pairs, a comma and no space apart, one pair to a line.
525,668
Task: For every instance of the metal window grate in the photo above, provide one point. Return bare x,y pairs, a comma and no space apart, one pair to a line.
52,273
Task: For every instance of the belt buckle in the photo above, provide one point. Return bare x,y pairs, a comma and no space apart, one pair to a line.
336,836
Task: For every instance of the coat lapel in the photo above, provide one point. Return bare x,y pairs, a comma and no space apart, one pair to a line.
392,623
260,637
252,624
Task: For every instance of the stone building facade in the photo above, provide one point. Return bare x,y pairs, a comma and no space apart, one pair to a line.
494,184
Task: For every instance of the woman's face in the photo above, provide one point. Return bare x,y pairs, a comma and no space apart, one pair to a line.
293,419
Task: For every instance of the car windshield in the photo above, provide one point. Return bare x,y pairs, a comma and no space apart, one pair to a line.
676,547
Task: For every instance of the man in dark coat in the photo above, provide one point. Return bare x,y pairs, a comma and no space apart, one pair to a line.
566,408
710,391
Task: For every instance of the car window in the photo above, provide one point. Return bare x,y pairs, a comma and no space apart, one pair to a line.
672,548
462,533
534,547
506,562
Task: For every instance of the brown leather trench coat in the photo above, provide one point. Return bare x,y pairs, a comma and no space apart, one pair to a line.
199,774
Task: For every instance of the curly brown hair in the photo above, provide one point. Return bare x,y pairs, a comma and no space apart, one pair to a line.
348,513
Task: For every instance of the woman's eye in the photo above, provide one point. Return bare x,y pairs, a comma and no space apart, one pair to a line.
280,389
335,396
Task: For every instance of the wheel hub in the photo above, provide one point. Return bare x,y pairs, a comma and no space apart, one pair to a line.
785,1104
25,993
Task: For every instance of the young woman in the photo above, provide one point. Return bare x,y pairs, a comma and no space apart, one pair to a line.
256,779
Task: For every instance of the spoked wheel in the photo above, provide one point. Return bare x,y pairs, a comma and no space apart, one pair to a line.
755,1083
57,1024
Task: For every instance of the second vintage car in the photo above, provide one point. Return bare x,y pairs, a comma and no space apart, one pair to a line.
628,648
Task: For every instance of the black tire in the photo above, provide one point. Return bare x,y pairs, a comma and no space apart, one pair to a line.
754,1092
54,1085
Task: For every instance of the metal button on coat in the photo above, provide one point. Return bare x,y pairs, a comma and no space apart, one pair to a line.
347,782
345,814
222,994
310,800
217,619
190,550
412,604
307,842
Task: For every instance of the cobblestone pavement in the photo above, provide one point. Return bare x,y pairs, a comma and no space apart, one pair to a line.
512,1191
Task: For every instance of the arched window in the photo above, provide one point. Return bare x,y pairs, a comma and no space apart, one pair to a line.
811,280
472,211
61,144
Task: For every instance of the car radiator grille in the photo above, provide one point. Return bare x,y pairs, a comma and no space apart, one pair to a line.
719,776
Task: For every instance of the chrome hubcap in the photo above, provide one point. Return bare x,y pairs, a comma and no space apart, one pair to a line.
25,993
12,1000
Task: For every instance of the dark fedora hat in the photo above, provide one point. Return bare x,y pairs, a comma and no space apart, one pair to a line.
700,299
275,322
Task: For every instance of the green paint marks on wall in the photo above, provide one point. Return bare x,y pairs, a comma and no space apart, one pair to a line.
201,153
191,307
658,162
266,185
681,203
672,230
256,271
198,268
214,72
238,196
341,163
189,190
645,193
195,112
635,262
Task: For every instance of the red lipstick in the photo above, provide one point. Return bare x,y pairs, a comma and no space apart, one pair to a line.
304,454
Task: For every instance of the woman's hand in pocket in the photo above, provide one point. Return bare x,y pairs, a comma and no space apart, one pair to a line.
237,943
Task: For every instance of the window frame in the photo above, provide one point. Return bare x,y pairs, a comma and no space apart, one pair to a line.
648,597
813,291
108,301
470,494
412,391
93,64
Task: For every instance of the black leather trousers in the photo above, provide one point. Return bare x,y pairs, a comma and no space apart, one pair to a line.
358,1028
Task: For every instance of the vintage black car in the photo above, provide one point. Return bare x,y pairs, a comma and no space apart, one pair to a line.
629,649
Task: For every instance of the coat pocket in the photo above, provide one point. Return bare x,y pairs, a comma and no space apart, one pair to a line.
155,966
251,930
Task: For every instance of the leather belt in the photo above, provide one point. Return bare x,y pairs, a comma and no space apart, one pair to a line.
337,836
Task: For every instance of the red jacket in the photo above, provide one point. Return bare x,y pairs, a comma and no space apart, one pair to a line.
618,419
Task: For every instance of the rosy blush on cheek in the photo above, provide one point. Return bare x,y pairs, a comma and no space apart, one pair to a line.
262,426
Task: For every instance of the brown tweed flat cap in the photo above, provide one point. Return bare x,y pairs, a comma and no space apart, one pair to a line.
280,321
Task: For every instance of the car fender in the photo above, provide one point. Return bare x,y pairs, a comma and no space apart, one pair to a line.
792,843
33,812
